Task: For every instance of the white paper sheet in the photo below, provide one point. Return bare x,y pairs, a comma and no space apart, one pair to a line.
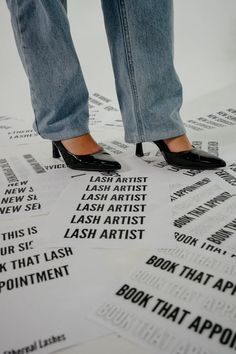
20,133
204,216
175,304
225,177
44,295
224,118
130,211
30,160
20,199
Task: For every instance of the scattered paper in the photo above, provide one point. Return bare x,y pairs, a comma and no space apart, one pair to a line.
44,296
175,304
126,211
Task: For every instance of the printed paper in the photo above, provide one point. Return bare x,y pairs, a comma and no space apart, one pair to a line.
44,297
112,211
204,216
175,304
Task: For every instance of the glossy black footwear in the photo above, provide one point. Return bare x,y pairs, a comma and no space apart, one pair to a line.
99,161
190,159
139,150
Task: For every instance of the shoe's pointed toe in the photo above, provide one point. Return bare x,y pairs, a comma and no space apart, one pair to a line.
221,163
194,159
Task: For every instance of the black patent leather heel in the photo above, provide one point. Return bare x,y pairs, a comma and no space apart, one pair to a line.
99,161
194,158
139,150
55,151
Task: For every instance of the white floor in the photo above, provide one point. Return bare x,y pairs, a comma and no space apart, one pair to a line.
205,37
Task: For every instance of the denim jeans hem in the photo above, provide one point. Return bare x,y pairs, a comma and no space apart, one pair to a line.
152,136
62,136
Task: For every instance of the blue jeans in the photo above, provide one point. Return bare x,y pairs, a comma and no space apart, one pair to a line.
140,39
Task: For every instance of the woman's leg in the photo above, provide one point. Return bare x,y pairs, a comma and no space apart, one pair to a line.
148,89
58,91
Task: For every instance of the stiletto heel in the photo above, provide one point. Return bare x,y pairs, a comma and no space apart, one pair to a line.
99,161
55,152
139,150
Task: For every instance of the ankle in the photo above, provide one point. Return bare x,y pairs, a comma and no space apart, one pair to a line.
178,143
81,145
